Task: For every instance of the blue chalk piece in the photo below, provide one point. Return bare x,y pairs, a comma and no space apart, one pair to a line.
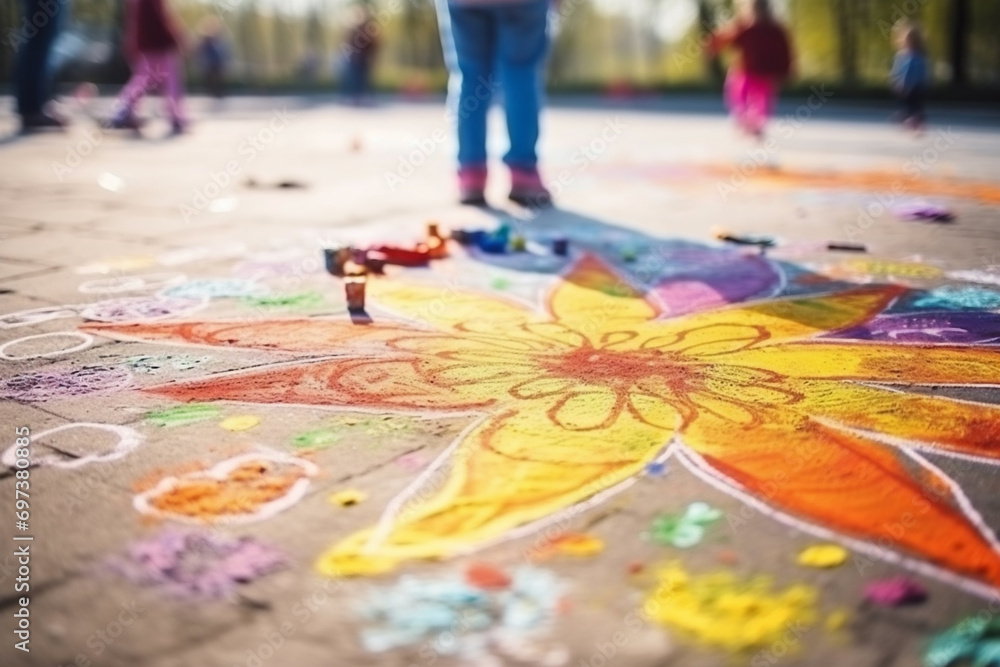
493,245
656,469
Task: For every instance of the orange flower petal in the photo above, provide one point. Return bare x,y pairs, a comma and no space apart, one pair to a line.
388,383
316,335
851,484
957,426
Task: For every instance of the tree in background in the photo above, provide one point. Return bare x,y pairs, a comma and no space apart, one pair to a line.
958,42
837,40
712,14
845,12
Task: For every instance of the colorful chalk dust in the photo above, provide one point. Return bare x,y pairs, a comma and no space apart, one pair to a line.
296,301
822,556
974,640
183,415
47,385
345,427
193,564
460,616
684,530
726,612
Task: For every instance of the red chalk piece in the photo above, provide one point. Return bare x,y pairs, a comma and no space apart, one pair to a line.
404,257
375,261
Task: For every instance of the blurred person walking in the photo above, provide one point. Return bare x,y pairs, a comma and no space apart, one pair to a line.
763,64
212,55
910,75
359,49
40,26
153,44
486,43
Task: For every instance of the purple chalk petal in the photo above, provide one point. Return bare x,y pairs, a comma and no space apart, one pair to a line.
700,279
197,564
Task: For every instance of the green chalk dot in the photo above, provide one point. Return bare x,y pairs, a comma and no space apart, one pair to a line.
183,415
316,439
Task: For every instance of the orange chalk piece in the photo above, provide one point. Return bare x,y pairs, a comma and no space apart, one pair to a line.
355,289
486,576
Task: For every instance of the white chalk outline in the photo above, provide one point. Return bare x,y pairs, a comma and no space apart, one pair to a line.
87,312
219,472
147,282
128,439
36,316
87,339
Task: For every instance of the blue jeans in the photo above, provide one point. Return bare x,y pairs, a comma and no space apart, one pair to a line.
489,46
33,73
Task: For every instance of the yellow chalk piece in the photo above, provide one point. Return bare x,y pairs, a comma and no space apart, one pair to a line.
898,269
240,422
823,555
347,498
355,565
578,544
720,610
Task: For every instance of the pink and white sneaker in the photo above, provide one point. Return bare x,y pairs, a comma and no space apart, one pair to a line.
527,189
472,186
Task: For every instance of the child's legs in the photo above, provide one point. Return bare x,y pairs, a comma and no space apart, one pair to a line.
760,98
137,86
170,74
468,35
913,101
523,44
735,92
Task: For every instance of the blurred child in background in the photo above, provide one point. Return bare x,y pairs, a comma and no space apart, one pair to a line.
212,55
490,42
359,57
909,76
764,62
153,43
33,75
